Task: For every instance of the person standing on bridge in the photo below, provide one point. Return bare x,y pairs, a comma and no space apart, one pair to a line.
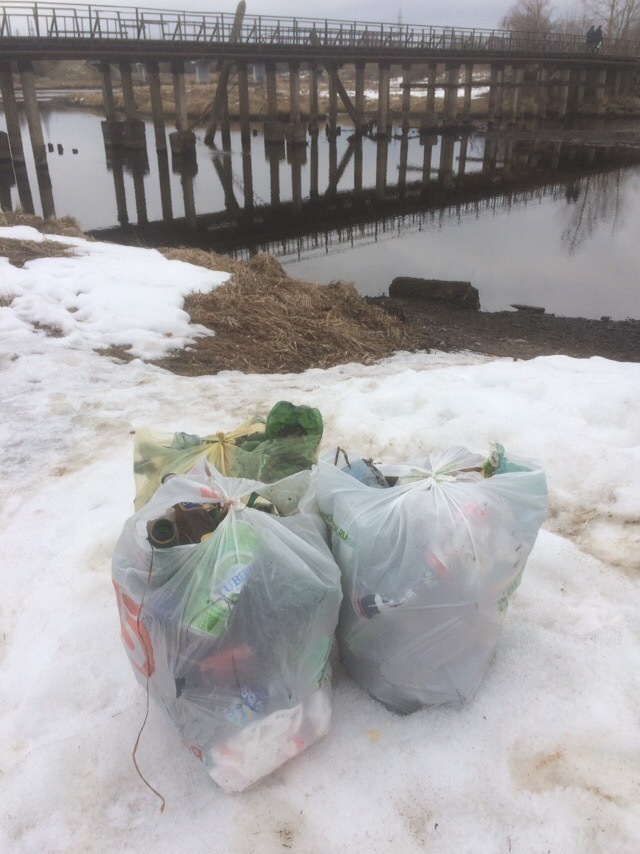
597,38
591,38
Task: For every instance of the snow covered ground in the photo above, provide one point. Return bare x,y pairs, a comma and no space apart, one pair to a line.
547,755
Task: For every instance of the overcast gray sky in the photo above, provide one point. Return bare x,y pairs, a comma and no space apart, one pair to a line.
457,13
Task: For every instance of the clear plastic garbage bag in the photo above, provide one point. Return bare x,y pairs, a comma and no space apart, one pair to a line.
428,565
233,633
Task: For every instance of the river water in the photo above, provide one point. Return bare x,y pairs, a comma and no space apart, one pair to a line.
540,224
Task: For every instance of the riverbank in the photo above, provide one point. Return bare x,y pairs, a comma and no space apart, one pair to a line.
267,322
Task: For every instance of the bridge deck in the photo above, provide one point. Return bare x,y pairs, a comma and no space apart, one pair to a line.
107,32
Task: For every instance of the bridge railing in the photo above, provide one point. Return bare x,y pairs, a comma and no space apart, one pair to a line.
96,22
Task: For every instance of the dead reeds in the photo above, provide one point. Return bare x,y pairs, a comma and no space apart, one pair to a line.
20,251
266,322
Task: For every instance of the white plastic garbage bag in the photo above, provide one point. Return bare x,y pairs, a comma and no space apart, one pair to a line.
232,633
428,565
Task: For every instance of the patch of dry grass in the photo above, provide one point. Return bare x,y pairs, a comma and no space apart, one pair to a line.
266,322
20,251
65,225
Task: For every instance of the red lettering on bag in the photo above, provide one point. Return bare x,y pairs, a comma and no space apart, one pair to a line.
134,633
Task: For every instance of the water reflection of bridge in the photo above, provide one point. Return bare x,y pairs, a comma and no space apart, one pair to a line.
506,172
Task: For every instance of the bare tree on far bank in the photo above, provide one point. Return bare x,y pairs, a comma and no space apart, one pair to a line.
619,19
532,16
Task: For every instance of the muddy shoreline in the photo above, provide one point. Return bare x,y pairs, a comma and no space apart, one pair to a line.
515,334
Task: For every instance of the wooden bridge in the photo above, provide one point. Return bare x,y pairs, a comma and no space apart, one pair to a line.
54,31
557,73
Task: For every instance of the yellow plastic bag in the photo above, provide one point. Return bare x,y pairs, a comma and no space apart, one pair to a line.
158,454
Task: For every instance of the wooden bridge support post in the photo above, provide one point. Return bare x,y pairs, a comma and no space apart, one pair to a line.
445,170
296,179
507,159
188,198
517,73
24,188
119,188
468,88
489,155
582,87
273,127
243,96
313,98
313,168
406,98
500,93
333,163
129,101
565,75
165,185
108,101
7,181
272,92
247,175
427,142
332,73
157,111
273,156
294,92
359,96
542,92
183,140
601,82
225,124
296,132
492,106
382,151
33,114
139,193
11,112
462,154
450,110
384,75
180,96
618,78
132,129
429,121
404,157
